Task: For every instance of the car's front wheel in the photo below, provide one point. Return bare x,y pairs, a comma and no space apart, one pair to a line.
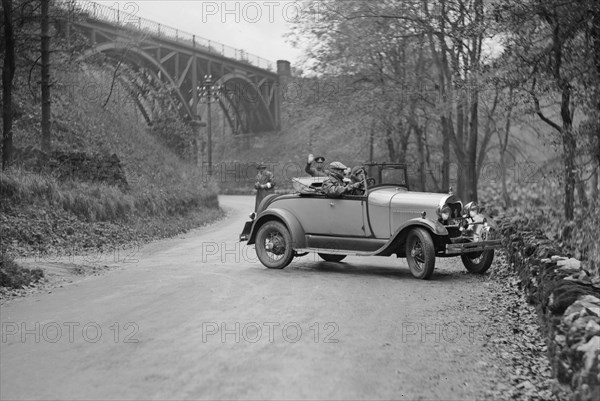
328,257
274,245
478,262
420,253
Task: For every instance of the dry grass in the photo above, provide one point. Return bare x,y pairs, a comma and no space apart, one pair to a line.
101,202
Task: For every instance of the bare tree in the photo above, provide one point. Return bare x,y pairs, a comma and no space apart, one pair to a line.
45,31
8,73
544,36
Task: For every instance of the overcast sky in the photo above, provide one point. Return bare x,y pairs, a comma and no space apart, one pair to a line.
254,26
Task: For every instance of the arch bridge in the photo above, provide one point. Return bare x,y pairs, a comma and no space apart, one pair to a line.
165,58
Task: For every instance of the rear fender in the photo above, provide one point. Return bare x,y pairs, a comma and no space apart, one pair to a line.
266,202
287,218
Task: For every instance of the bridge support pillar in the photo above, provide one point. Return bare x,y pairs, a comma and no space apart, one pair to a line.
284,73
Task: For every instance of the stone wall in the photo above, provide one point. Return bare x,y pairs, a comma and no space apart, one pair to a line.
567,300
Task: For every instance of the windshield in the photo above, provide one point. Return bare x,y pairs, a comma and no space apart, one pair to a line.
393,176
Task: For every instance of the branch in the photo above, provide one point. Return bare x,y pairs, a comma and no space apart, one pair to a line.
545,119
114,79
29,79
539,112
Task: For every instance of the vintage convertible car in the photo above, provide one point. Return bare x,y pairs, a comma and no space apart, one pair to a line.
383,219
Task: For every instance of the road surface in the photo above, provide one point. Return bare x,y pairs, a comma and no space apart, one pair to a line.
198,317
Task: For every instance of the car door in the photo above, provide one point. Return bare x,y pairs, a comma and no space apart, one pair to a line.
342,217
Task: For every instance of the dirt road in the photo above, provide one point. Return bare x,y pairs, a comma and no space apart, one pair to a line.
198,317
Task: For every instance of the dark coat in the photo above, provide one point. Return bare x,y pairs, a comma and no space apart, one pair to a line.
334,186
263,178
312,171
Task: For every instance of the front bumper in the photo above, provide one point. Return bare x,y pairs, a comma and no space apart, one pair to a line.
467,247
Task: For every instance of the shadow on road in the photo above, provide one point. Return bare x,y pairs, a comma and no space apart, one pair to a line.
401,272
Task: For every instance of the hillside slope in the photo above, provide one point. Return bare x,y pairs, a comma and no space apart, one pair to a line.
43,213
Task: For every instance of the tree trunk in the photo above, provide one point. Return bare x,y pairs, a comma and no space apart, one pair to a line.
389,140
421,149
45,32
569,149
569,162
460,161
594,195
505,195
371,143
8,73
404,140
504,146
581,193
471,184
445,156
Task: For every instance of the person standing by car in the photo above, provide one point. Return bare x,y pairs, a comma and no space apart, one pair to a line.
318,170
334,186
264,184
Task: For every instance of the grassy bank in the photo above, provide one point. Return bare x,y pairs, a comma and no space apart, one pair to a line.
43,214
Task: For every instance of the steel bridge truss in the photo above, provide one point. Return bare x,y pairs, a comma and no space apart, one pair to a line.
155,61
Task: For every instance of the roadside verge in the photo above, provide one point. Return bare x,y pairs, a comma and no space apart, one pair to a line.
567,301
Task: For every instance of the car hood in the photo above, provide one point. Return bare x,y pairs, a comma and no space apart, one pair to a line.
394,196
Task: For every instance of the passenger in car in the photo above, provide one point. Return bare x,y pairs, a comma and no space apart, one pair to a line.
318,170
358,175
334,186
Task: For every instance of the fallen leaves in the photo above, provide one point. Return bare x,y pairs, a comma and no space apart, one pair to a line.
515,337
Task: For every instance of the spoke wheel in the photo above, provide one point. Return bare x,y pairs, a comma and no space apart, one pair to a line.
420,253
274,245
478,262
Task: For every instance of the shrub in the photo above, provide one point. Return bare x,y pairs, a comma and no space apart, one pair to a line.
14,276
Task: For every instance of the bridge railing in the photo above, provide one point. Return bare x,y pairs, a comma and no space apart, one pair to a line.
120,17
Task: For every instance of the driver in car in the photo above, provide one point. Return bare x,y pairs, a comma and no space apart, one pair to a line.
334,185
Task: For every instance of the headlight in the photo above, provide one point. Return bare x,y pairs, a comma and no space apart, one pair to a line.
446,212
471,209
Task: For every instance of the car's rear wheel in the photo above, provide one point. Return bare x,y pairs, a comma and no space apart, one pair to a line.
478,262
274,245
328,257
420,253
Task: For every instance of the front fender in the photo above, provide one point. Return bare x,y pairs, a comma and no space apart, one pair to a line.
399,236
433,226
287,218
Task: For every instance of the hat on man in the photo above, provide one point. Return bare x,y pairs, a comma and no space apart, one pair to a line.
261,166
337,166
319,159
